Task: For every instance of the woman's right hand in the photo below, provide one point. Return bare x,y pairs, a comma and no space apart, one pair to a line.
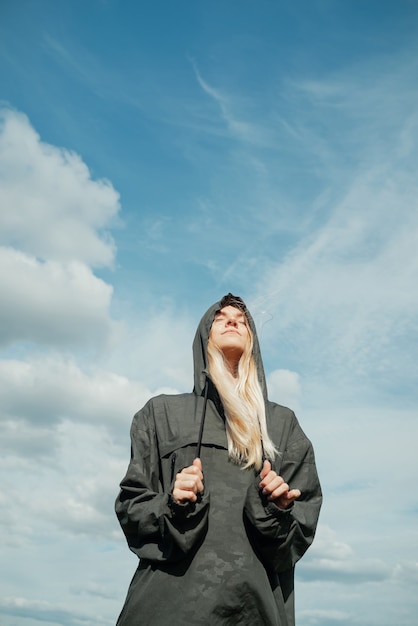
188,483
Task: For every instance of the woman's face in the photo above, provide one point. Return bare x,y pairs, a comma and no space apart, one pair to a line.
230,333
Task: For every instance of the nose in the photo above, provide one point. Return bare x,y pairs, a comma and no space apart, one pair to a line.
231,321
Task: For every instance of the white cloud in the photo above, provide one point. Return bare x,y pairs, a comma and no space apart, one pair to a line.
284,387
328,546
406,573
333,560
43,391
157,346
60,510
354,571
51,207
45,612
83,474
52,303
320,617
365,456
27,441
52,221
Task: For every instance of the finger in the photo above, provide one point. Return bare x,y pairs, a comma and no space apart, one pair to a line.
267,479
287,498
279,492
272,483
189,481
294,494
186,483
197,463
271,477
192,470
197,485
265,469
180,495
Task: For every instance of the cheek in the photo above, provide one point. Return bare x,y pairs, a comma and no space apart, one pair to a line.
247,338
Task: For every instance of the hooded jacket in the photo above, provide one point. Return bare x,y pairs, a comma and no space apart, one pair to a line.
229,558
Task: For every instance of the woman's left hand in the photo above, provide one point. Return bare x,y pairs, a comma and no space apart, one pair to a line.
274,487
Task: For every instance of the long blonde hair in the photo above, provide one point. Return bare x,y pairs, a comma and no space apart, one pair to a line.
244,406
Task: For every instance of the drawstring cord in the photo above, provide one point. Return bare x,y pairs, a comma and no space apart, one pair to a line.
202,421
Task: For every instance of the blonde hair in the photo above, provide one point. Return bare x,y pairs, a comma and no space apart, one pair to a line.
244,406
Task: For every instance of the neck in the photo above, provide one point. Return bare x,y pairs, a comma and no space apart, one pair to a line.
232,367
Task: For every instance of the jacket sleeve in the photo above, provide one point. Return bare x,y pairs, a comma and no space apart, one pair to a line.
281,537
155,526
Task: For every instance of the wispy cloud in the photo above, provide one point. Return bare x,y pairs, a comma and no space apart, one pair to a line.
346,289
238,128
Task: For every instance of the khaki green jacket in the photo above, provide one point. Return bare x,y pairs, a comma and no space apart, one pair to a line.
228,559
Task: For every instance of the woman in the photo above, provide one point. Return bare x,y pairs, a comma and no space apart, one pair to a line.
221,497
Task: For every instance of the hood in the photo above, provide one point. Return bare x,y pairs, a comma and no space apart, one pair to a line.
200,356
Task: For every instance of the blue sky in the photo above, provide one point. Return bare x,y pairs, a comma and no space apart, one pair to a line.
154,156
